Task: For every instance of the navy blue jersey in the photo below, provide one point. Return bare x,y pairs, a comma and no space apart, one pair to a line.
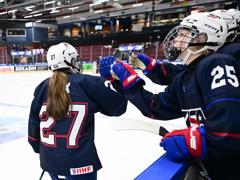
66,146
232,49
164,73
208,89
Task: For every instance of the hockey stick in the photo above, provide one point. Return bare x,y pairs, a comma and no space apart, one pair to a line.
140,125
156,128
42,175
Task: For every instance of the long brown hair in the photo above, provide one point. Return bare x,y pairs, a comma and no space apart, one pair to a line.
58,99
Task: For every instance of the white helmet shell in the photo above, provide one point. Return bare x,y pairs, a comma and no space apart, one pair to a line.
213,27
62,55
229,19
235,13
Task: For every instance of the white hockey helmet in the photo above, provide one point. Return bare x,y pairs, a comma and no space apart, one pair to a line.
230,20
63,55
198,24
235,13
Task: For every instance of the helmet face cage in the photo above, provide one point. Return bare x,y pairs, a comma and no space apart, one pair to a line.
76,63
213,28
177,41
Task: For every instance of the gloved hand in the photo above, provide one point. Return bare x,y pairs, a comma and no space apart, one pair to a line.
127,76
184,143
105,66
143,62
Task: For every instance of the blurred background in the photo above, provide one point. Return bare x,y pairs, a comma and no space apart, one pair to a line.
95,27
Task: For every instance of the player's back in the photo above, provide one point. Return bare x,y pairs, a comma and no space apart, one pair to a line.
69,142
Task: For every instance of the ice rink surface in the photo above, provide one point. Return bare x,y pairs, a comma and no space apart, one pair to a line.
124,154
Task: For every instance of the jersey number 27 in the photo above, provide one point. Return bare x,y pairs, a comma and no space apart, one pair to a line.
76,115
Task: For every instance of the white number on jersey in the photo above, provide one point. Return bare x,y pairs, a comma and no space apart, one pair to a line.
219,80
107,84
77,113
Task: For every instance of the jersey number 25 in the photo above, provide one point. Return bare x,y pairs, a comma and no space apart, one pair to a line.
219,79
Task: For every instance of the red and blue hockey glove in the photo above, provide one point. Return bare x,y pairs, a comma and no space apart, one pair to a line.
185,143
105,67
143,62
126,75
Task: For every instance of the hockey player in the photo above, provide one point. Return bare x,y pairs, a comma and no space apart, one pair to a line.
236,14
233,45
61,120
206,92
163,73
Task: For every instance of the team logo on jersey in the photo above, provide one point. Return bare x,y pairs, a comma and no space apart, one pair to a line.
194,117
81,170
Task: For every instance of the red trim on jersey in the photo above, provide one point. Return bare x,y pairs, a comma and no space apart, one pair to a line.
33,139
164,70
231,135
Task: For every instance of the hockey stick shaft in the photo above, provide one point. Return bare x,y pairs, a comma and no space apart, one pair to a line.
140,125
41,176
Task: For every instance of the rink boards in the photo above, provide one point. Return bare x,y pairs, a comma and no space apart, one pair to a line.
164,169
